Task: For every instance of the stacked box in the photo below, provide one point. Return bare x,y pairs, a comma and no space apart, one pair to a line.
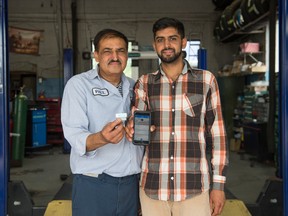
248,104
261,107
249,47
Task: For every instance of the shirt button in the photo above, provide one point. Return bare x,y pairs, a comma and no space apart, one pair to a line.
172,178
171,157
173,86
173,133
173,110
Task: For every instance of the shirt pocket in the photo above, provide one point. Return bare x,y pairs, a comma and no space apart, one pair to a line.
192,104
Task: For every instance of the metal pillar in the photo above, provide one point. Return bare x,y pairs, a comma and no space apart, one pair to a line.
68,64
283,30
74,33
68,73
4,121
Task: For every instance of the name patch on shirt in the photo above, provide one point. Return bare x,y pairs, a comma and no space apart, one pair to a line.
101,92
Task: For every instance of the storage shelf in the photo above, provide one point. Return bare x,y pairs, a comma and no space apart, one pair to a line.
242,73
50,129
252,27
53,141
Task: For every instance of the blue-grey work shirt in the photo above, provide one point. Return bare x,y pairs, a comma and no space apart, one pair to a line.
89,103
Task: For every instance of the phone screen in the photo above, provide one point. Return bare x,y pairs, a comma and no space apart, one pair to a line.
142,122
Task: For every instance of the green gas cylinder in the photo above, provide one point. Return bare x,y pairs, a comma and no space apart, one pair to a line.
19,128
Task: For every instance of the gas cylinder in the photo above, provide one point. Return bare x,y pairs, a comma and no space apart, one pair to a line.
19,128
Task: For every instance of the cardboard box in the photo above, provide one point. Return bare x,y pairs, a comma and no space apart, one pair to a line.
249,47
236,68
235,145
256,69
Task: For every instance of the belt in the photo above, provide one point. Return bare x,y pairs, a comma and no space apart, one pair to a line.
104,175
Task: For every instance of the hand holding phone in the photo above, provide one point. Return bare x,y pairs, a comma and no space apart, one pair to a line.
142,123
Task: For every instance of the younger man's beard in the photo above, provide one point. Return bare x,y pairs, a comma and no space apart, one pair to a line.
169,59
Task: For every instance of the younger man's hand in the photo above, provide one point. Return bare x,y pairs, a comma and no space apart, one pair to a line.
129,128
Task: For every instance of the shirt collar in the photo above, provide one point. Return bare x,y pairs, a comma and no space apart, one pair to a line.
94,73
187,68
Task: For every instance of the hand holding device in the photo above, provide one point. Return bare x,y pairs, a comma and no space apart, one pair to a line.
142,123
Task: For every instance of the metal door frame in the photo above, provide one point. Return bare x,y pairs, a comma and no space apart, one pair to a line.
283,78
4,121
4,115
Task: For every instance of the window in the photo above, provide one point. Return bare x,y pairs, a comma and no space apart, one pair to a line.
191,49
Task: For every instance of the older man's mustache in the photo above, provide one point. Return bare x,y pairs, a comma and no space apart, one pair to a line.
112,61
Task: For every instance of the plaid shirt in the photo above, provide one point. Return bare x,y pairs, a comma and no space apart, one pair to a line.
188,119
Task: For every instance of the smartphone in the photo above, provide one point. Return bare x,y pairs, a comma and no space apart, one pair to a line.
142,123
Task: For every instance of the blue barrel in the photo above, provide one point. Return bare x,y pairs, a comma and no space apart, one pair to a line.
39,130
202,58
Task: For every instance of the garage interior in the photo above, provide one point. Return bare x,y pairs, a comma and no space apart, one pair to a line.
237,40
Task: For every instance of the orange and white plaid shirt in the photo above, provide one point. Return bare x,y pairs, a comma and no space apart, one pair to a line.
188,118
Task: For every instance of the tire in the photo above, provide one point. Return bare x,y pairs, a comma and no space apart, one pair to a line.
256,8
244,12
262,6
227,24
229,12
238,18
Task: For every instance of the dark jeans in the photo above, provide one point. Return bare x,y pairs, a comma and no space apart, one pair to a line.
105,195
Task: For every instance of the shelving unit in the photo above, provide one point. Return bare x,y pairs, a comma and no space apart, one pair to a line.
245,108
249,59
238,116
251,55
54,127
253,27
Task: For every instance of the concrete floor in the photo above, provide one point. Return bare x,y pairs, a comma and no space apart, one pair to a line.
244,181
41,174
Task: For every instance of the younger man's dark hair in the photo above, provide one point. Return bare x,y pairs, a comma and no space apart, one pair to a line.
108,33
166,22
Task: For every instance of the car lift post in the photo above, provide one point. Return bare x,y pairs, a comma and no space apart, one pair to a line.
4,116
